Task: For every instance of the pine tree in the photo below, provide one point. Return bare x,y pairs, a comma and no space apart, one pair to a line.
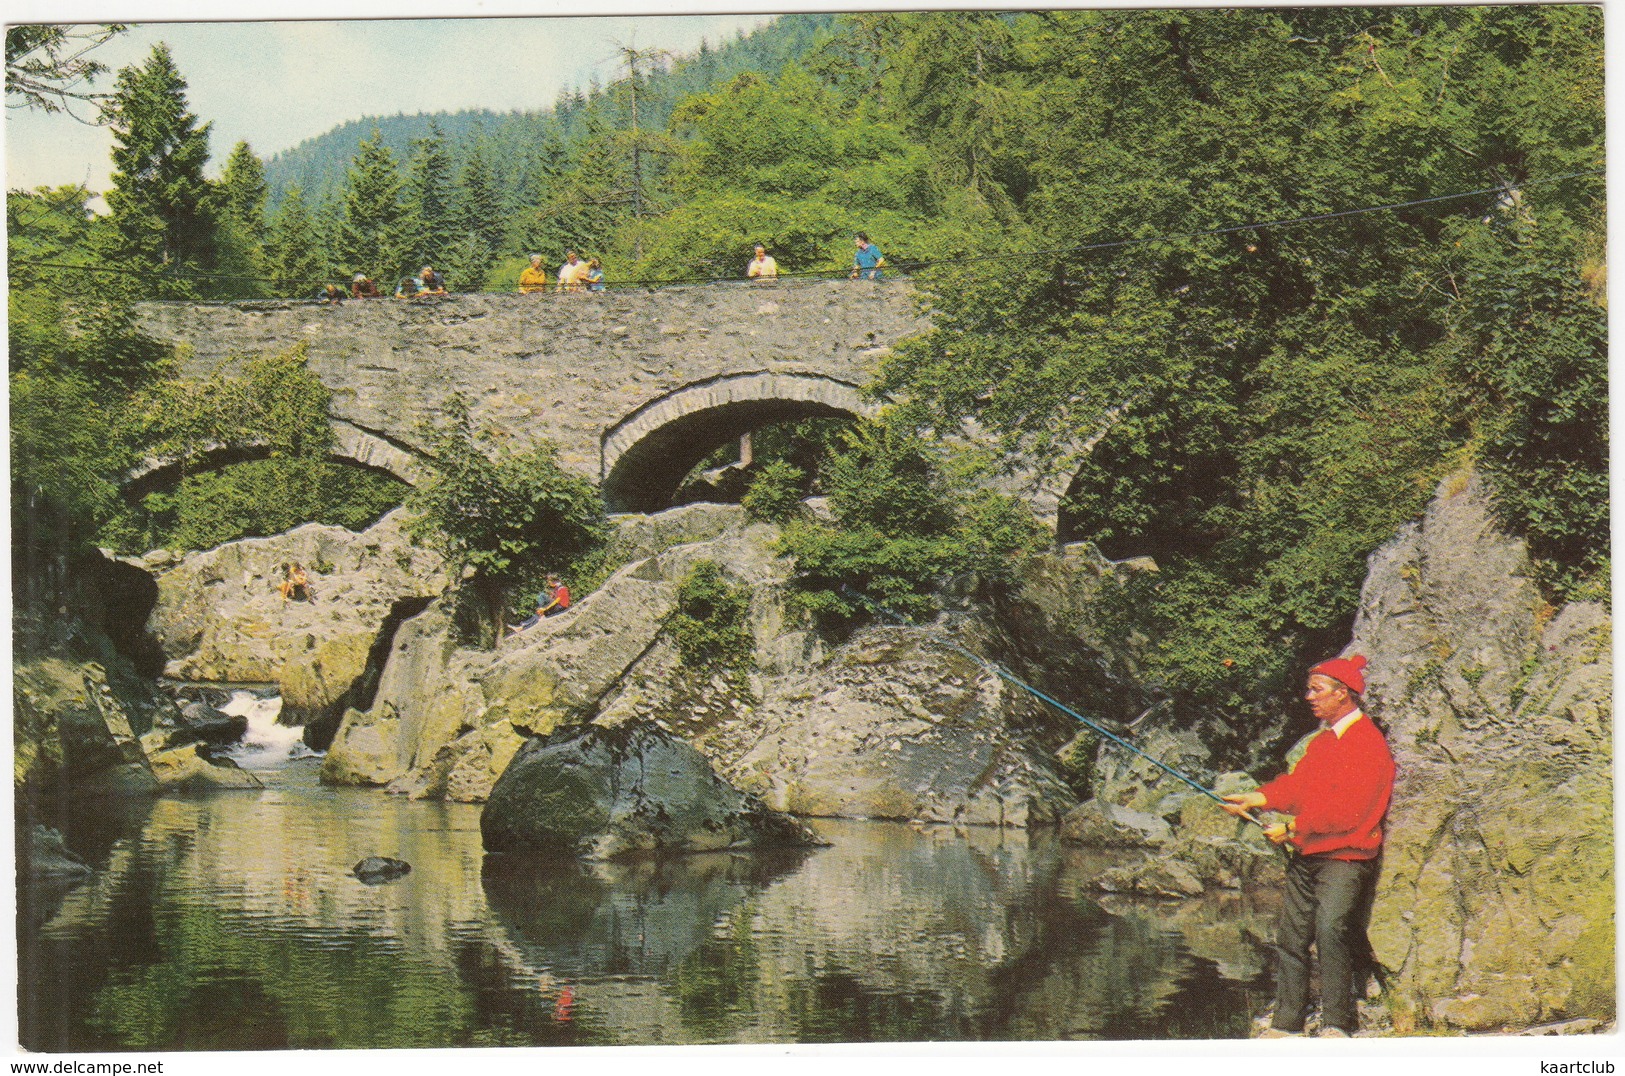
479,203
371,235
431,223
295,256
241,195
163,224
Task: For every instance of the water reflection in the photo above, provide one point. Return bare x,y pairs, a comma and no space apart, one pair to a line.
231,921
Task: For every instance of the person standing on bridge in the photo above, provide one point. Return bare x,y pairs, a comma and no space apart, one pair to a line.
432,282
572,272
762,267
868,261
1338,796
533,279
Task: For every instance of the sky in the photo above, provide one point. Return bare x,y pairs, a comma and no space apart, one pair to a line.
275,84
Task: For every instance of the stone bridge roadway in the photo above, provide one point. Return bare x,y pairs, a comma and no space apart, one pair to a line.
635,386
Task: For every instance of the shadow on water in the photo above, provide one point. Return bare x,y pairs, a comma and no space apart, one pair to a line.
232,921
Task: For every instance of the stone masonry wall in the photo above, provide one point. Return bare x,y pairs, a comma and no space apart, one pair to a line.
562,366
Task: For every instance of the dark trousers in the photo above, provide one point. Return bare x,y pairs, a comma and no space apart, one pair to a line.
1328,905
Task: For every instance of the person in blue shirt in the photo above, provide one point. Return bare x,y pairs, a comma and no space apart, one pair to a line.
868,261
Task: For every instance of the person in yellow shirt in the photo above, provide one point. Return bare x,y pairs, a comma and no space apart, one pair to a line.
533,278
762,267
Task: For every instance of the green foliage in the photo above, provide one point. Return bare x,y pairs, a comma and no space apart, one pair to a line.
775,491
1262,408
431,225
47,67
508,516
1528,336
262,497
296,262
899,528
240,197
371,236
66,458
710,623
162,213
277,404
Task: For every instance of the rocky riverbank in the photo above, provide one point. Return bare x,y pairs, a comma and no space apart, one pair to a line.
1495,909
1496,905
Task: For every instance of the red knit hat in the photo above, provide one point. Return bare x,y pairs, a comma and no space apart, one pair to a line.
1345,671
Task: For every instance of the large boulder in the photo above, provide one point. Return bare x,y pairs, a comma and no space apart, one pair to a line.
72,732
602,792
1497,897
894,725
220,616
887,725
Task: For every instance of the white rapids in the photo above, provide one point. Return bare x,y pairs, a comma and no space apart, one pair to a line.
266,745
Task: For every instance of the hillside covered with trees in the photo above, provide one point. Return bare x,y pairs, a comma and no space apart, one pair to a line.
1251,280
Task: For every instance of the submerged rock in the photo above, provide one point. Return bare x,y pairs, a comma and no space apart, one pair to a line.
375,870
602,792
49,857
192,767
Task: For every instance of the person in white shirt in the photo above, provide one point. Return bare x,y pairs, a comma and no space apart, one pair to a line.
762,267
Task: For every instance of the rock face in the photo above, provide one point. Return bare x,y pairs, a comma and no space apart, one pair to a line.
603,792
220,616
1496,901
887,725
894,726
1497,896
73,732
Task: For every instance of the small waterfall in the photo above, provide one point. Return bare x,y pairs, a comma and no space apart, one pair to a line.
266,745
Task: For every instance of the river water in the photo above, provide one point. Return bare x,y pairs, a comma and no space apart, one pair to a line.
231,920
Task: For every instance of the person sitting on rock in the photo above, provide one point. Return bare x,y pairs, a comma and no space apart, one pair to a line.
363,287
295,585
330,293
550,602
431,282
407,288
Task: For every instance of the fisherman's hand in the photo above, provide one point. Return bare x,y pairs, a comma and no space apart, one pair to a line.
1238,803
1279,833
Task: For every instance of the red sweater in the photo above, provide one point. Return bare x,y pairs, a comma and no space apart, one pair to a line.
1339,792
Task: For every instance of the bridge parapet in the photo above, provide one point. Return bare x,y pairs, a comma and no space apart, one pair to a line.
567,367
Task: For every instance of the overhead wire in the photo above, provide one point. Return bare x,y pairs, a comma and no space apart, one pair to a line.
914,265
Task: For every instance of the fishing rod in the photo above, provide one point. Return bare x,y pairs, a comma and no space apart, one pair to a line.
1005,674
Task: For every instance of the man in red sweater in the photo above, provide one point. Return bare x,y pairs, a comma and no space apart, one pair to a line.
1336,796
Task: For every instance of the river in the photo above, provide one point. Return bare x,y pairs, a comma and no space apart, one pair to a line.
231,920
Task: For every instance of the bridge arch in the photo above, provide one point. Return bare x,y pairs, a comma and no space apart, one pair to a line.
351,445
646,454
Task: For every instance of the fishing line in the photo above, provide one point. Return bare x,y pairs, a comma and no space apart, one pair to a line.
1005,674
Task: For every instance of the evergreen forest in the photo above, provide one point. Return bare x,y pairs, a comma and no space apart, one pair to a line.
1253,281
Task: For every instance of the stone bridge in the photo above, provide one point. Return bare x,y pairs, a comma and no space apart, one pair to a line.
635,386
